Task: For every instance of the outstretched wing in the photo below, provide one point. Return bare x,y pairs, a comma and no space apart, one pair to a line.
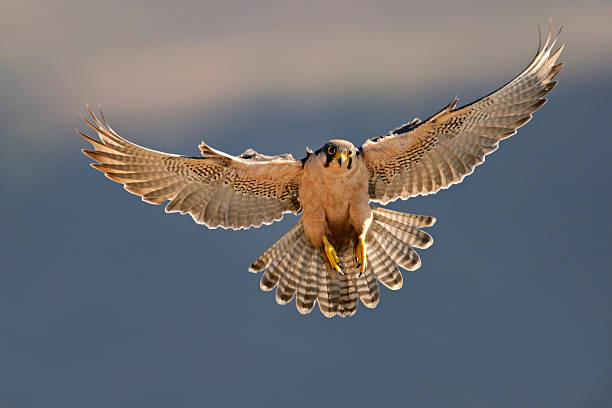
218,190
423,157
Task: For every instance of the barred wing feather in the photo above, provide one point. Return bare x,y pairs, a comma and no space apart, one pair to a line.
424,157
217,189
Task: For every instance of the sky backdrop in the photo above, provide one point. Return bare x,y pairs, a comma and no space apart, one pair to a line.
105,301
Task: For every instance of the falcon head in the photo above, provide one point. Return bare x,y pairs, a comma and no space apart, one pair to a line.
337,154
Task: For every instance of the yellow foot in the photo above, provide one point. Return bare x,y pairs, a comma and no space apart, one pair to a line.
332,256
360,254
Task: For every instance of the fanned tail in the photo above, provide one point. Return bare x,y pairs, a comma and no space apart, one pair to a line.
296,268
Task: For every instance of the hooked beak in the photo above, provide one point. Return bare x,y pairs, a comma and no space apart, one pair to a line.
340,158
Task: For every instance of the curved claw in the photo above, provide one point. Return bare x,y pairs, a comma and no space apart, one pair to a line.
360,254
332,256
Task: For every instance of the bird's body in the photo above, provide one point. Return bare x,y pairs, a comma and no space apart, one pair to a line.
342,246
335,198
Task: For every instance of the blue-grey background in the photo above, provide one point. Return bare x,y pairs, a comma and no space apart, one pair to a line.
105,301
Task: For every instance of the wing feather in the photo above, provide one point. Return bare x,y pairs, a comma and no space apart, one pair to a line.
420,158
217,189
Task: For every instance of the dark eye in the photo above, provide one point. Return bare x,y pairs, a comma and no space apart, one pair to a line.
331,150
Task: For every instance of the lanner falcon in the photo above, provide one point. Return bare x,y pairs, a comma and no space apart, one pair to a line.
341,246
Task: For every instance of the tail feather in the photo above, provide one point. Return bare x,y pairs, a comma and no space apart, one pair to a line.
329,290
278,248
407,233
403,218
348,285
308,287
394,242
375,257
289,275
297,268
385,270
367,287
272,275
277,258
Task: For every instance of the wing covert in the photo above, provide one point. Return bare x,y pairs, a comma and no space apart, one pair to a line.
217,189
422,157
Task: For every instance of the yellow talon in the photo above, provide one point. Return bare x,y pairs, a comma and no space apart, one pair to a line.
331,255
360,254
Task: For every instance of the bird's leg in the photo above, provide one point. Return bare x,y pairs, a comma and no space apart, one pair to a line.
361,218
332,256
360,255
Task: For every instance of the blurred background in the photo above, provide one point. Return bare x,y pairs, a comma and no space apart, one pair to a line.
106,301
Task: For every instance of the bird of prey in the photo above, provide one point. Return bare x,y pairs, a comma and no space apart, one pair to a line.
342,245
